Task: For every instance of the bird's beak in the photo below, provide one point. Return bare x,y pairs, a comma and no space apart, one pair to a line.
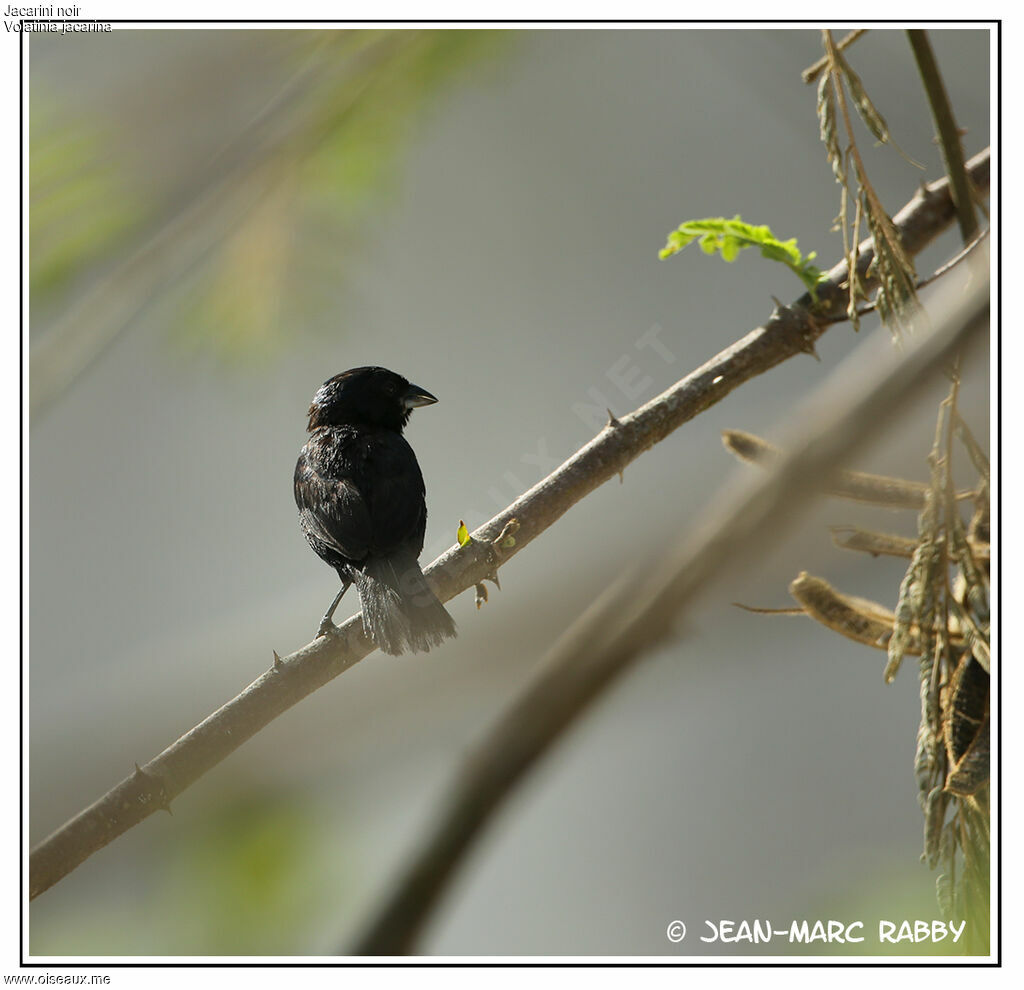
416,396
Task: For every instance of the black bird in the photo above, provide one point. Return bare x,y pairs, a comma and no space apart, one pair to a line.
363,509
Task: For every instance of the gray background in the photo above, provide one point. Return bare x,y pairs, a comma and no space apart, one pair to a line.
757,768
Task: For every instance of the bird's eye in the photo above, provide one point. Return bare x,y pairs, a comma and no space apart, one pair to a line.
391,388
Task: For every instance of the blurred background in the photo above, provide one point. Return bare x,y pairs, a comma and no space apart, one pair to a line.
221,220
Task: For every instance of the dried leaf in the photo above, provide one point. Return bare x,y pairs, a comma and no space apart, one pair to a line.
827,127
867,111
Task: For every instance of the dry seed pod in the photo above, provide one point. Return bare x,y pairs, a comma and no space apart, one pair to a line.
966,728
874,543
858,486
856,618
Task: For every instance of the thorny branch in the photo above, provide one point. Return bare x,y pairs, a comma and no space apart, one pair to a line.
789,331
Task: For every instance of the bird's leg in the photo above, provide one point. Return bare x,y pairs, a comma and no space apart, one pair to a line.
327,626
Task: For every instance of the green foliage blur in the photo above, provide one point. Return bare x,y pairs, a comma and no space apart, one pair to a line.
257,873
258,236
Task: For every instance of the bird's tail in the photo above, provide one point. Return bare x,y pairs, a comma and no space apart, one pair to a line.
400,612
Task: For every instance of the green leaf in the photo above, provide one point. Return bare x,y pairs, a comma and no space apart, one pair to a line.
462,535
731,236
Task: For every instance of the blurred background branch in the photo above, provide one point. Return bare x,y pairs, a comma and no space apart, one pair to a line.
644,606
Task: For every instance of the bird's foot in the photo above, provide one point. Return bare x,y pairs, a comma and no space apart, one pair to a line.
327,628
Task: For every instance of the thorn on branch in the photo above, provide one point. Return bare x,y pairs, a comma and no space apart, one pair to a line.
152,789
493,552
613,422
506,539
278,662
796,323
818,330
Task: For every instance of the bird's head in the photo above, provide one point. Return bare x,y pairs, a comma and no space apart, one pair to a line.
366,397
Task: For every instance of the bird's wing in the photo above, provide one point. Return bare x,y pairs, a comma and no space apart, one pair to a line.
396,498
333,512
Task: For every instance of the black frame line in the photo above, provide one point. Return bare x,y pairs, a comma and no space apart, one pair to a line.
356,962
